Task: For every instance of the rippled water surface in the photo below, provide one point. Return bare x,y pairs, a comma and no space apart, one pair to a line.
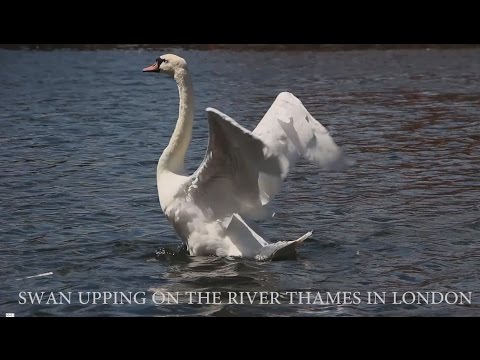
81,132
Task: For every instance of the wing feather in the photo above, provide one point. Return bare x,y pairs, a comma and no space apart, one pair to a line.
227,180
243,170
291,132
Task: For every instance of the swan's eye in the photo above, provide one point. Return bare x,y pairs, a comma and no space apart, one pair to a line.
165,61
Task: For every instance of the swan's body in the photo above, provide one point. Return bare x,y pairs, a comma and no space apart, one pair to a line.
240,174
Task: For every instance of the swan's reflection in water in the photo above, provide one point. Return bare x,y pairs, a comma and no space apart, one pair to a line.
211,273
230,286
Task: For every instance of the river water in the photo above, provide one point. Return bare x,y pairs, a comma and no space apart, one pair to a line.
82,132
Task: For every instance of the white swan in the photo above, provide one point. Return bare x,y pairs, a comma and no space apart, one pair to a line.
241,172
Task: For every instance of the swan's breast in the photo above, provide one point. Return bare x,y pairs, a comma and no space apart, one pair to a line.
170,187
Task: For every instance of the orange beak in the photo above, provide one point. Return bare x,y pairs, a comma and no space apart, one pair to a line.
152,68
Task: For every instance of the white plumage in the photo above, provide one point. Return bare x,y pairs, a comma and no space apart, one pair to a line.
242,171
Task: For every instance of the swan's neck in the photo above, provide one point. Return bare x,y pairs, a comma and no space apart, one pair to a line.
173,156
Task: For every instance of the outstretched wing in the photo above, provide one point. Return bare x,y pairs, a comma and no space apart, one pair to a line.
290,132
227,181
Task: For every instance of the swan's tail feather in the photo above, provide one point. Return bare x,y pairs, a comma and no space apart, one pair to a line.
245,239
280,249
252,245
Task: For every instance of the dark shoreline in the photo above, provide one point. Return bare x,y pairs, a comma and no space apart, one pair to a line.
240,47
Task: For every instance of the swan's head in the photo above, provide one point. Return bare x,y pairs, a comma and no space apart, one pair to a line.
169,64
